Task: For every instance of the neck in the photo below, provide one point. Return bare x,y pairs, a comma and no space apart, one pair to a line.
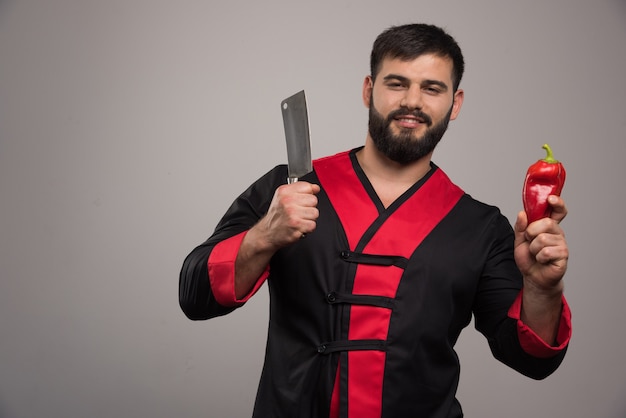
377,165
390,179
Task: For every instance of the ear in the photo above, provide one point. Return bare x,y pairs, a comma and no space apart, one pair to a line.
457,102
368,86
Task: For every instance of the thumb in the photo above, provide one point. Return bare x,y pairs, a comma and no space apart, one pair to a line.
521,223
559,211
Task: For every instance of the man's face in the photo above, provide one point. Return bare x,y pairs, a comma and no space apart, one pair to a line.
411,103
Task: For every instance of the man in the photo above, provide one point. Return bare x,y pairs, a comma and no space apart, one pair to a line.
376,261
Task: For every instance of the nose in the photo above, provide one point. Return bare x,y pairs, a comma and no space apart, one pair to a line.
412,98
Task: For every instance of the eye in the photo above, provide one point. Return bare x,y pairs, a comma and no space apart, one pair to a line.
433,89
395,85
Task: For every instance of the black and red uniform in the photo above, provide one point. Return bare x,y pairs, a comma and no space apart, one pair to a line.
365,311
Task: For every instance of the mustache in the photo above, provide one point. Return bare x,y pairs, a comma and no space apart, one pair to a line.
404,111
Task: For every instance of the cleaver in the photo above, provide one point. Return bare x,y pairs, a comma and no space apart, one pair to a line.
296,121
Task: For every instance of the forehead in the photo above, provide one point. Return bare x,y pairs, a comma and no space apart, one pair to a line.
427,66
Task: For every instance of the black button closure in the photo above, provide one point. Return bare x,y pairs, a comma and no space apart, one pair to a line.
331,297
321,348
345,255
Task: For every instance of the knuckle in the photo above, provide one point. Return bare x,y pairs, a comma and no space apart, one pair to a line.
281,189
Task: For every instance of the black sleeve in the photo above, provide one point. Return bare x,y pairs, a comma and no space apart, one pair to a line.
195,296
499,286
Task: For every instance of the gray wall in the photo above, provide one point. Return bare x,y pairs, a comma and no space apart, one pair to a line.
127,128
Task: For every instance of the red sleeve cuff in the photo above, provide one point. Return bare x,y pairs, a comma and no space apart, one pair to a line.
221,266
533,344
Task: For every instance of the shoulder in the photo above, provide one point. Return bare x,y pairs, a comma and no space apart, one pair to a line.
271,179
482,215
471,207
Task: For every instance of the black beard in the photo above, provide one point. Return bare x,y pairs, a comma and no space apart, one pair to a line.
404,148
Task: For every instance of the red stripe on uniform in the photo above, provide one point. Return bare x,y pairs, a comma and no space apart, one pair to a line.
399,235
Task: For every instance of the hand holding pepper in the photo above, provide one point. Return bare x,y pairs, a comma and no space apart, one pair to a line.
542,246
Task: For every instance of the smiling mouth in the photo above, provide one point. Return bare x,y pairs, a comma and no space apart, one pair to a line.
410,119
410,122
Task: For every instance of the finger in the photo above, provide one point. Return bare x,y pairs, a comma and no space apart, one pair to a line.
552,254
559,211
315,188
306,195
303,218
309,202
308,227
297,194
521,223
544,232
310,213
546,240
305,187
303,228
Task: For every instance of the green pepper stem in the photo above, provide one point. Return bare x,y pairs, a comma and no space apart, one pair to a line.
549,157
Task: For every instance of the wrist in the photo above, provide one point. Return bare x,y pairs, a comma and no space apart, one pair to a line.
553,291
258,242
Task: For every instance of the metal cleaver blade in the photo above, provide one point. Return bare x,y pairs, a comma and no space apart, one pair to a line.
296,121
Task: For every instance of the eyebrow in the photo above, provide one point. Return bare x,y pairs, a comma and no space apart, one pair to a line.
397,77
405,80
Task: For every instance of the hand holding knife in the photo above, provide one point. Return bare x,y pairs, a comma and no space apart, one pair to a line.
296,122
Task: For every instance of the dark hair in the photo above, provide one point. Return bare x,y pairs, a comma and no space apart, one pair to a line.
408,42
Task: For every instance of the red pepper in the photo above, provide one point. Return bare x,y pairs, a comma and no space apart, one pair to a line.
544,178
